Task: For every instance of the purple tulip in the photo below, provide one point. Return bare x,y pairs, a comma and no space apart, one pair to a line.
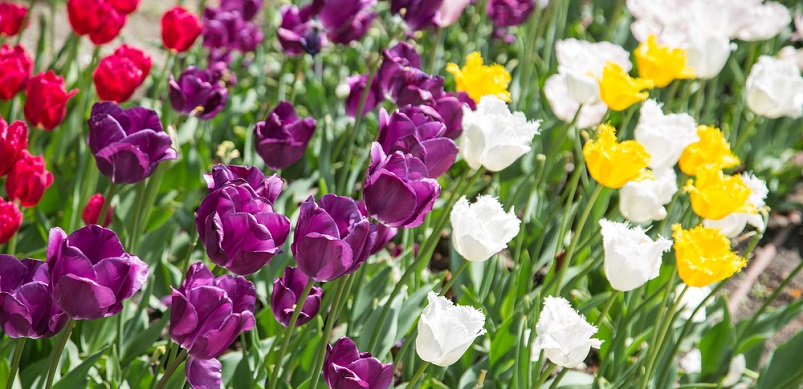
208,313
283,137
345,20
27,309
418,14
396,61
298,33
332,237
449,110
128,144
198,92
398,190
411,131
508,13
286,292
384,234
247,8
267,187
227,30
357,86
91,273
239,229
345,367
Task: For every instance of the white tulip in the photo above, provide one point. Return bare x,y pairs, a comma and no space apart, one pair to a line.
733,224
765,21
775,88
581,62
451,10
693,297
565,107
789,53
446,331
563,334
735,370
493,136
631,257
691,362
643,201
482,229
664,136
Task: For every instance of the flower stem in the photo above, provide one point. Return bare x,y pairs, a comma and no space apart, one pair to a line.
352,136
667,322
573,245
544,376
606,307
16,364
330,322
455,275
65,335
745,133
107,202
271,380
417,375
171,369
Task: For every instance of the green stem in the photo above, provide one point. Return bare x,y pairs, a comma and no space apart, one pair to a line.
171,369
455,275
132,233
330,322
54,363
745,133
272,380
107,202
667,323
16,364
11,248
607,307
352,136
544,376
417,375
573,245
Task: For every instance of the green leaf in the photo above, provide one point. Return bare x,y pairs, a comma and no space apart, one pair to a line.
134,346
783,370
375,287
388,328
503,342
77,377
717,348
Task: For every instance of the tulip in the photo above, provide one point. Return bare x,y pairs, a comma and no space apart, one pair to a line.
28,179
332,238
346,20
733,224
13,140
451,10
121,73
563,334
357,85
396,61
16,68
267,187
707,52
418,14
618,90
208,314
27,309
384,234
286,292
714,194
661,63
508,13
346,367
92,210
180,28
482,229
91,272
398,190
712,151
582,63
239,229
494,137
199,93
664,137
736,368
479,80
283,137
613,164
11,18
446,331
247,8
124,6
411,131
565,107
46,103
691,300
298,34
96,18
227,30
775,88
643,201
704,255
631,257
10,220
128,144
691,362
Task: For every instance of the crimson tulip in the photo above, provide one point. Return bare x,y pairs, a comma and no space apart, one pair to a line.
180,28
15,69
13,140
121,73
46,103
10,220
93,208
28,179
11,18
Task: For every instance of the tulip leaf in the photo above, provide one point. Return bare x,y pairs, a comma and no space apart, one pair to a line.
503,342
134,346
717,347
411,309
783,369
388,328
375,287
5,370
77,376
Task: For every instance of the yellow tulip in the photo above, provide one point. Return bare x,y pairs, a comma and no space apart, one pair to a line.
660,63
704,255
711,152
715,195
618,90
614,164
479,80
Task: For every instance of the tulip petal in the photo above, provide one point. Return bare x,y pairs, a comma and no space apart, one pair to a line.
81,298
123,163
204,373
183,318
328,257
390,196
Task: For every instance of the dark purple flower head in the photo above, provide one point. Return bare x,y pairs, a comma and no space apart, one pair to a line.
508,13
418,14
239,229
396,61
286,292
198,92
247,8
298,33
345,367
345,20
398,190
411,131
128,144
91,274
449,110
267,187
384,234
227,30
357,84
27,309
283,137
332,237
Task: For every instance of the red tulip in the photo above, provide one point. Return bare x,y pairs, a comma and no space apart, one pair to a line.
180,28
124,6
96,18
10,220
15,69
120,73
28,179
11,18
46,104
13,139
94,206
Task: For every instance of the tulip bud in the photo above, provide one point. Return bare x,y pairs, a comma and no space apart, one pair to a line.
27,309
563,334
121,73
451,10
446,331
180,28
199,93
46,103
346,367
482,229
91,272
16,68
10,220
11,18
97,18
631,257
283,137
13,140
494,137
775,88
93,208
664,137
286,292
357,85
28,179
